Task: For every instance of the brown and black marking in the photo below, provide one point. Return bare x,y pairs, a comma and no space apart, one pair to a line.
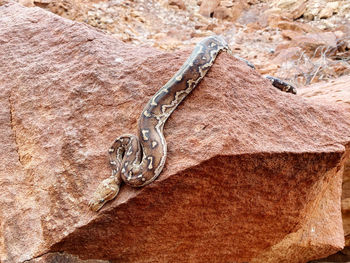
281,85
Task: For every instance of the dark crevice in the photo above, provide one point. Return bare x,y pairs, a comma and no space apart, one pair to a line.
13,128
43,254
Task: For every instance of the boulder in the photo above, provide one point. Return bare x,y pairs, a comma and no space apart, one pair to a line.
290,8
329,10
336,92
314,45
252,173
179,3
207,7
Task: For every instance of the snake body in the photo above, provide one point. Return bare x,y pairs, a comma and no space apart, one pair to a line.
138,160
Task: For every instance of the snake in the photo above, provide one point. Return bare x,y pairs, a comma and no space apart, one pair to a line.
138,160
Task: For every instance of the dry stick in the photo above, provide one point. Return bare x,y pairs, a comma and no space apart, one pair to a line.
320,65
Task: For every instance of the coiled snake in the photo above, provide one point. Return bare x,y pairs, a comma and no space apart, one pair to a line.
138,160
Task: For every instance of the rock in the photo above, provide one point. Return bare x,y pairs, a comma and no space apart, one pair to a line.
314,44
250,172
222,12
298,10
286,55
72,9
230,10
314,57
341,256
28,3
207,7
312,225
285,4
326,13
289,34
345,204
251,16
313,9
294,26
328,10
336,92
291,8
179,3
267,69
227,3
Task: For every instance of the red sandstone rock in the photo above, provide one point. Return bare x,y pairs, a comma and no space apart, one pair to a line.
251,172
336,92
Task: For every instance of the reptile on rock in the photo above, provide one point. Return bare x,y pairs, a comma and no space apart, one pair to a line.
138,160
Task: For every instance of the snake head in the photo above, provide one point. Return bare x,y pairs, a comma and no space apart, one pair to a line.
106,191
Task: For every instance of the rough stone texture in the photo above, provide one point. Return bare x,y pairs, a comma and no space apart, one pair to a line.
250,170
336,92
311,236
346,203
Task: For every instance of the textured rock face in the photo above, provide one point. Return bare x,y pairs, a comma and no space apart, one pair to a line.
251,171
336,91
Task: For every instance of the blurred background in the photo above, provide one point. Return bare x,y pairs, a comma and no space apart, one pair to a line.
301,41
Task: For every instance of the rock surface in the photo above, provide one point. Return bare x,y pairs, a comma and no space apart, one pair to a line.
336,92
250,172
